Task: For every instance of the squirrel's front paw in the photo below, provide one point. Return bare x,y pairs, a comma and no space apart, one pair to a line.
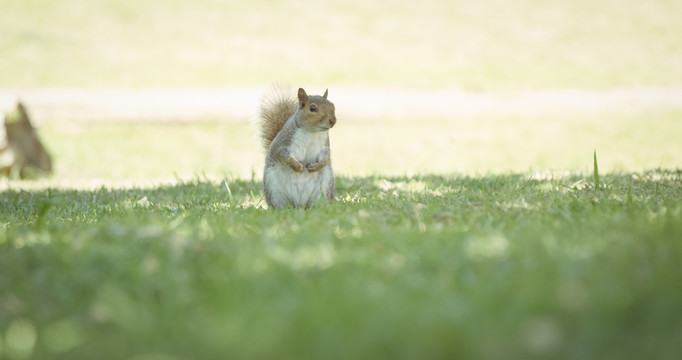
295,165
315,167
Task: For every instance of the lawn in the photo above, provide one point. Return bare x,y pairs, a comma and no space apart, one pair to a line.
151,241
498,266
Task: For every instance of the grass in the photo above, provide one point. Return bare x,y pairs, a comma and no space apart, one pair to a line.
483,45
497,266
597,183
150,241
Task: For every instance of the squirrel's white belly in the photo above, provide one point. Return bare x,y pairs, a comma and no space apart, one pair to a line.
288,187
285,187
306,146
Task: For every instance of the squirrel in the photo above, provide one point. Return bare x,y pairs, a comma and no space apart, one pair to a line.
295,136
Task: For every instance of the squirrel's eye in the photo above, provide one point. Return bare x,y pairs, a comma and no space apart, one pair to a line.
313,108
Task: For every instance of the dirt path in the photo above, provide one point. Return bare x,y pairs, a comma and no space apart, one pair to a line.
239,104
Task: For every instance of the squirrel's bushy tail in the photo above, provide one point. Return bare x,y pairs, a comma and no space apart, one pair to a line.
276,107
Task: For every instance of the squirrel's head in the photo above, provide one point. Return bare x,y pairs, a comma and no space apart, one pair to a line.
317,112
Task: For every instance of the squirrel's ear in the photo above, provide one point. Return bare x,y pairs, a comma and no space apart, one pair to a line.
23,115
302,97
326,91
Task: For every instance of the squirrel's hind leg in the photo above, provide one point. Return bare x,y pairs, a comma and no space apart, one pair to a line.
328,184
273,190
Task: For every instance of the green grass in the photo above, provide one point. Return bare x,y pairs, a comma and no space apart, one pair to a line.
497,266
476,237
150,241
597,183
483,45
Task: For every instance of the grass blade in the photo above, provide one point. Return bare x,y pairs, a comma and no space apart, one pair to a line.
596,172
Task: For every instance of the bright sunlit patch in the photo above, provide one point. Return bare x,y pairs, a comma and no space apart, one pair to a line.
395,262
487,247
20,339
541,335
573,296
413,185
520,203
31,240
549,175
319,256
150,265
573,250
410,186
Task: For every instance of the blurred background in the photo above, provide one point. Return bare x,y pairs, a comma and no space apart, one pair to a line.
147,91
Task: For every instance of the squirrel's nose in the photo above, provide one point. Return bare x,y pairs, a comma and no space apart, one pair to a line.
332,121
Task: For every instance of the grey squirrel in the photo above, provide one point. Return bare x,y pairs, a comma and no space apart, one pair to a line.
295,134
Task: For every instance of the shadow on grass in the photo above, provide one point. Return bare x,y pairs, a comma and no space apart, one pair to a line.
22,206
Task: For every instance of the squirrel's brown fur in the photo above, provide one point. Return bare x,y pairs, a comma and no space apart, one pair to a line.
21,152
275,109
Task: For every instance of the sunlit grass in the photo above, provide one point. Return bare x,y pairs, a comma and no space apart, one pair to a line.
474,237
398,268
